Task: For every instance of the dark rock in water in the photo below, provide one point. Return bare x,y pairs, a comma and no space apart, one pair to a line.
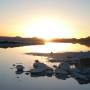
11,68
80,81
19,67
49,72
37,74
85,62
61,76
14,65
27,73
40,69
19,72
17,77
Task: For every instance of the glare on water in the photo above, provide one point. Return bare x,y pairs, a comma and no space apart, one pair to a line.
56,47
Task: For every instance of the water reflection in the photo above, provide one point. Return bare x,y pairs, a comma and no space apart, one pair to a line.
56,47
53,47
11,78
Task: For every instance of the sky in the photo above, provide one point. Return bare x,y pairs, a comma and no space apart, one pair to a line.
45,18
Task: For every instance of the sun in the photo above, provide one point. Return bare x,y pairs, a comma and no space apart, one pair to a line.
47,29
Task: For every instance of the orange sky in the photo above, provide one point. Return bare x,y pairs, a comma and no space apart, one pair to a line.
45,19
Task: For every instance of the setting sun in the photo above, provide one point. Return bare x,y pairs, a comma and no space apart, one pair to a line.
47,29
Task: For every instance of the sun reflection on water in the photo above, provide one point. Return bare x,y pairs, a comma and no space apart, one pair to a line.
55,48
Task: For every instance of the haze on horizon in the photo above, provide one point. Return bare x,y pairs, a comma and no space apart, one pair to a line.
45,18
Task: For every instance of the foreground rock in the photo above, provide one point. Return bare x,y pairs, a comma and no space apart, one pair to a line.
41,69
64,70
20,67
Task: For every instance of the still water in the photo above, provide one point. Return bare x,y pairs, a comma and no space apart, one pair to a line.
10,80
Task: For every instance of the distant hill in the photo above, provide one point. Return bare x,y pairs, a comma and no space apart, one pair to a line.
19,41
83,41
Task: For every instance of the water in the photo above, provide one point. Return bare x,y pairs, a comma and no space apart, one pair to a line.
9,80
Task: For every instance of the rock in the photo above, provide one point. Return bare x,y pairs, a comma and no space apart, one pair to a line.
19,67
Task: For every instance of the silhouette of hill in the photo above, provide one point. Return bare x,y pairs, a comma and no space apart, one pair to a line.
83,41
6,42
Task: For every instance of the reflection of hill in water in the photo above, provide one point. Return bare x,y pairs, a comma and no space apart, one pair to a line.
13,44
86,44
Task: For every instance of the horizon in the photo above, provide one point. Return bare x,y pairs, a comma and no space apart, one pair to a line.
45,19
43,38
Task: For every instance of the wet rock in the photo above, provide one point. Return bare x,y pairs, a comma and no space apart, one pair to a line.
20,67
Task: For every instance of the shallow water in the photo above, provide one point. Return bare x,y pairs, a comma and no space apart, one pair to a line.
9,80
